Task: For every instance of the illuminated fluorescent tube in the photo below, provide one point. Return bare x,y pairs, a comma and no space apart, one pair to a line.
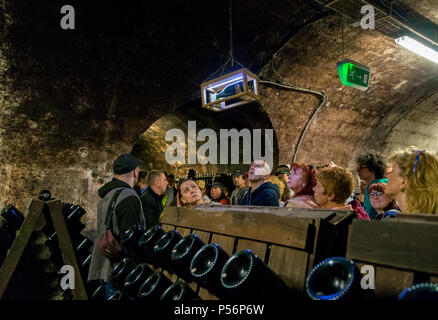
229,81
418,48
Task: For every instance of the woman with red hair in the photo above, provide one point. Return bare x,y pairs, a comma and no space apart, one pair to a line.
301,181
384,205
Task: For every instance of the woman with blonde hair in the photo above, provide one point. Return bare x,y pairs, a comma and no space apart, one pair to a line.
281,186
413,180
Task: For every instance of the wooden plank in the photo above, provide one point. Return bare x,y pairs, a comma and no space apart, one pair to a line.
254,225
226,243
183,231
291,265
390,282
167,227
33,212
64,241
259,248
204,236
293,212
397,244
417,217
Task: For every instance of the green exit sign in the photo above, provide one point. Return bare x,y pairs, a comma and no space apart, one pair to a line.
354,74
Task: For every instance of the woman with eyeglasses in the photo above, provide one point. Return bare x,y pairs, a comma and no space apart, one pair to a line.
413,180
384,205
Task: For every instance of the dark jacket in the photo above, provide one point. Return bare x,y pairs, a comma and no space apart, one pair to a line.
152,207
265,195
126,208
127,213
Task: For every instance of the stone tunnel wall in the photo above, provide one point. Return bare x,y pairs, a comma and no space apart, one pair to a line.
351,121
419,127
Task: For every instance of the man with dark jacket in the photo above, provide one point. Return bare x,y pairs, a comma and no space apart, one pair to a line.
261,192
152,198
127,213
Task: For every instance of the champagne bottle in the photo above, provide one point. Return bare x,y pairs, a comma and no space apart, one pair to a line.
99,293
146,244
422,291
179,291
13,217
245,276
117,296
154,286
163,249
129,243
136,278
121,271
72,212
206,267
7,235
183,253
335,278
83,248
85,265
230,90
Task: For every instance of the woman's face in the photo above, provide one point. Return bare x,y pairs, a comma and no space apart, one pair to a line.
379,200
297,180
190,192
395,182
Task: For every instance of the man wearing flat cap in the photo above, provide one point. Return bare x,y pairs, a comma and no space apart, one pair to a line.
283,173
127,212
238,193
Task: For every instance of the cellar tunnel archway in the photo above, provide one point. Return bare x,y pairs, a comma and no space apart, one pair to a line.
152,145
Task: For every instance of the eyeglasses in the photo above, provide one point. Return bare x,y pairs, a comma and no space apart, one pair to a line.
376,194
416,159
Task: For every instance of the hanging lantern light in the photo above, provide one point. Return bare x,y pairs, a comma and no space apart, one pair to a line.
232,89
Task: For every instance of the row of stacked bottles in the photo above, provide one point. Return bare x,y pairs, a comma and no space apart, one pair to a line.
240,276
11,220
338,278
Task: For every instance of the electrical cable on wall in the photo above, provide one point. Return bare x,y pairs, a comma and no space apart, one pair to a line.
287,85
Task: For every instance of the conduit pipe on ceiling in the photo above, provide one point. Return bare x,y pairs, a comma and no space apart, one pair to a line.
319,94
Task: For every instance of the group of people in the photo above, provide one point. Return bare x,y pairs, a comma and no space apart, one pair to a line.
406,183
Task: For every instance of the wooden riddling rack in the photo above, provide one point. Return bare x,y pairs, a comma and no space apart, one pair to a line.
290,240
34,221
402,250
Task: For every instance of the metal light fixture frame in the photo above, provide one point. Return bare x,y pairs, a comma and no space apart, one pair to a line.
247,95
